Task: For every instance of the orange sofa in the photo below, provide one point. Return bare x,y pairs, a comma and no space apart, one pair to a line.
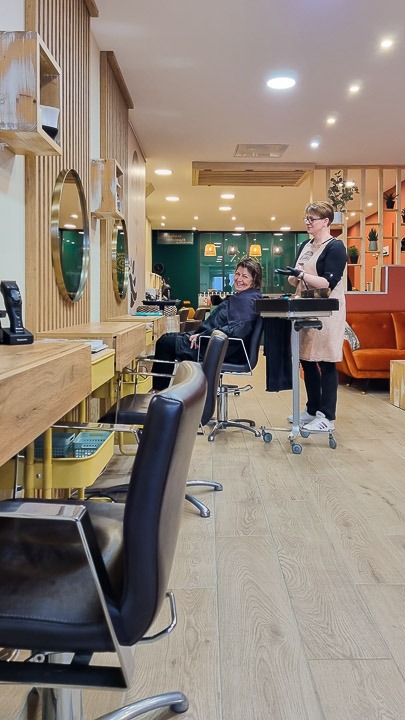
381,336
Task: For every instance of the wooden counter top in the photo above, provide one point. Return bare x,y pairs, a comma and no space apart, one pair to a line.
39,383
160,323
126,338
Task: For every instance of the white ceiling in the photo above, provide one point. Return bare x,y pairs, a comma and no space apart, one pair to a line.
197,75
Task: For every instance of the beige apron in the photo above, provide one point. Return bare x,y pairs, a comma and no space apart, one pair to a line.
325,344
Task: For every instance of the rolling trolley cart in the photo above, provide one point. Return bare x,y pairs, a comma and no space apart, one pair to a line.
303,313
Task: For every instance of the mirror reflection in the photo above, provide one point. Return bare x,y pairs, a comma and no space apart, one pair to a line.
120,259
70,235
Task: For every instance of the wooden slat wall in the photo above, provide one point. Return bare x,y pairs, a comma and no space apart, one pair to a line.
114,103
65,28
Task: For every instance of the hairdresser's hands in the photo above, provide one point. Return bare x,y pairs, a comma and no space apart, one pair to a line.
194,341
289,271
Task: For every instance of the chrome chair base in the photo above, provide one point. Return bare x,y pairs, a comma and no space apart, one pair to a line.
222,421
66,704
204,510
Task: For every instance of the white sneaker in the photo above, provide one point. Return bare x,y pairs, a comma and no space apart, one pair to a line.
305,417
320,424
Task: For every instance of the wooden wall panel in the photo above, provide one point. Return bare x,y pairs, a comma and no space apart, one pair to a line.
114,104
65,28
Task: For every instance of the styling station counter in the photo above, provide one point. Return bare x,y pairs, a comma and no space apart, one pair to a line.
303,313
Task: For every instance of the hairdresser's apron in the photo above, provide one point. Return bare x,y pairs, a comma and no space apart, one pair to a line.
325,344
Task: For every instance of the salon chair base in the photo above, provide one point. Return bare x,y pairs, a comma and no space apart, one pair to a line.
222,422
204,511
66,704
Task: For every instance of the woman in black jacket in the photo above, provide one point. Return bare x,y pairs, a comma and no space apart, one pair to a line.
235,316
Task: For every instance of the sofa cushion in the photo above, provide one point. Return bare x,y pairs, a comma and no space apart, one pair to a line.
399,327
374,330
351,337
373,359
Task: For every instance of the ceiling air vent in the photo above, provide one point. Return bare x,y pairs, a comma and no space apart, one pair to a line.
251,174
261,150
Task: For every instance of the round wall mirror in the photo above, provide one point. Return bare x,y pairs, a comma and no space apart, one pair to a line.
120,259
70,235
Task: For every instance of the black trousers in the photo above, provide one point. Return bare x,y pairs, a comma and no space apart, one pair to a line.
167,349
321,384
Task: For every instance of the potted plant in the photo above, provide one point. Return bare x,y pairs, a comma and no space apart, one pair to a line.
390,198
372,240
353,253
339,194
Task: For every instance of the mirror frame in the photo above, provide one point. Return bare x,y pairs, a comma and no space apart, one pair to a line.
119,292
55,213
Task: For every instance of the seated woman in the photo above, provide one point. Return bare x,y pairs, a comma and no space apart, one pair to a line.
235,316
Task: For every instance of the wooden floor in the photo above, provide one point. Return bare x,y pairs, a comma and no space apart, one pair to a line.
291,596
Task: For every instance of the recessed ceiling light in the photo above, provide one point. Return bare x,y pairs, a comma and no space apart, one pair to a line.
74,216
227,196
162,224
69,226
331,120
195,217
239,228
273,217
163,217
224,208
354,88
369,204
386,43
285,228
194,227
314,144
172,198
163,171
280,83
236,234
278,234
352,214
233,217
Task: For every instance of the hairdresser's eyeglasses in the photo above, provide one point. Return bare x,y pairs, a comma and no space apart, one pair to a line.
311,219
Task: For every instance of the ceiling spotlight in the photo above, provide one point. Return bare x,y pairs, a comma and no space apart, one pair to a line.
369,204
163,217
163,171
331,120
239,228
162,224
195,217
233,217
74,216
314,144
172,198
273,217
354,88
285,228
194,228
227,196
386,43
224,208
280,83
69,226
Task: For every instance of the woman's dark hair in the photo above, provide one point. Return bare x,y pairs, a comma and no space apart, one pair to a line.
254,268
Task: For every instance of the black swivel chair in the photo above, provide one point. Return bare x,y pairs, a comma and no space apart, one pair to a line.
78,578
251,351
132,409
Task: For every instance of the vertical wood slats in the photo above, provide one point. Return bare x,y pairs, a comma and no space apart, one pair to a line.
113,144
65,29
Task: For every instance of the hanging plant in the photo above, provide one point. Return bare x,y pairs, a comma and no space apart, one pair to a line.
341,192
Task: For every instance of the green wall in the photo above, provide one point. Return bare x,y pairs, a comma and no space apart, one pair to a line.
181,264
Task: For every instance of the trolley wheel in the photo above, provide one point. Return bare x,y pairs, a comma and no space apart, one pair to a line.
267,437
304,433
296,448
332,443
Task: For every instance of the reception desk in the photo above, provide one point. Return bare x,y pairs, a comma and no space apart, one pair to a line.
39,384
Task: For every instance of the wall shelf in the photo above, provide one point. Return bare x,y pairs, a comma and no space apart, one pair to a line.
107,189
30,80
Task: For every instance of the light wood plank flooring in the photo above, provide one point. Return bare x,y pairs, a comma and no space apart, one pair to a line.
291,596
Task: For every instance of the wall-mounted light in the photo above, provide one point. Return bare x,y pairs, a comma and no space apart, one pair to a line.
232,250
255,251
210,250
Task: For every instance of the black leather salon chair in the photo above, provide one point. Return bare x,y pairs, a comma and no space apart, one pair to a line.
251,352
79,578
132,409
